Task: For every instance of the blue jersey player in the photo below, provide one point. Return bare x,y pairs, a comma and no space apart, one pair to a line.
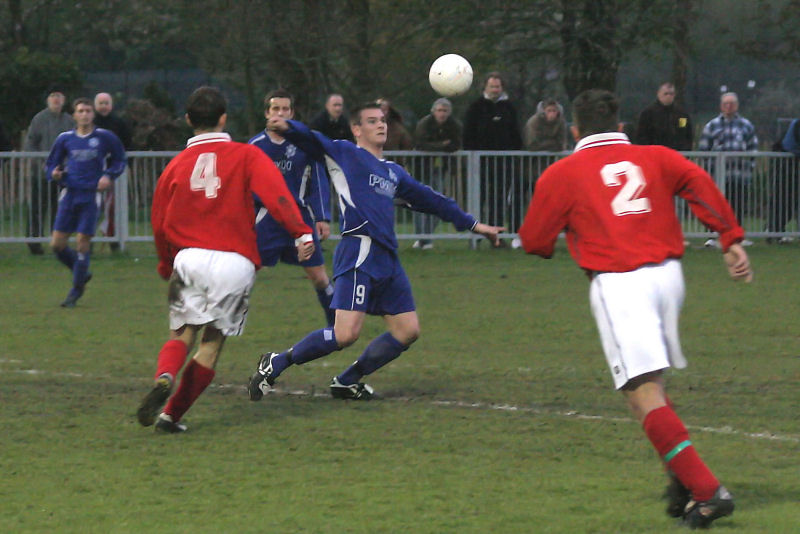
84,161
308,183
367,272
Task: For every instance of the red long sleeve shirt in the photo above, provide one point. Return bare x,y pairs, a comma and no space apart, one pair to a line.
616,202
204,199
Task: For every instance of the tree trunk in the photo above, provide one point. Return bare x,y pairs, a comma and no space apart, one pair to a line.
681,49
591,46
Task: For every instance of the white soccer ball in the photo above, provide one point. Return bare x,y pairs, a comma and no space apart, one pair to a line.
450,75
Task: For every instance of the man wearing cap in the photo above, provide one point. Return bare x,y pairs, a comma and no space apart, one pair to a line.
42,132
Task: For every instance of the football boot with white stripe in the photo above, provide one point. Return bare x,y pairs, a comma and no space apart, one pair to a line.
702,514
357,391
165,424
262,380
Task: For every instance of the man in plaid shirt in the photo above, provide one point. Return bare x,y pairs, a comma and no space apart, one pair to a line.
730,132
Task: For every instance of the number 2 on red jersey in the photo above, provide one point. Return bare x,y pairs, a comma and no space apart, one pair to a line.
204,175
627,201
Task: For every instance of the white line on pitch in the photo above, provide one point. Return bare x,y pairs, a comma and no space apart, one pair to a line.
485,406
527,409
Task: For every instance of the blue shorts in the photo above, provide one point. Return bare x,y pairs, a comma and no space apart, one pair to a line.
77,211
376,282
275,244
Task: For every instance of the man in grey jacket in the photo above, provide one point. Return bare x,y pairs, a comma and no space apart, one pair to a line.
42,132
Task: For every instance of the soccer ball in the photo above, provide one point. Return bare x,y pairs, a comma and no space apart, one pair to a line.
450,75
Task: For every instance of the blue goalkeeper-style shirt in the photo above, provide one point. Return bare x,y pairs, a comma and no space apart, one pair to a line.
305,177
367,188
86,158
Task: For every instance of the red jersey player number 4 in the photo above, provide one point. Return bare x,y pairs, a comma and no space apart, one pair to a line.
204,199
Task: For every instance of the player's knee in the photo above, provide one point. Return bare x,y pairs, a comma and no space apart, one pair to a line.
346,336
408,335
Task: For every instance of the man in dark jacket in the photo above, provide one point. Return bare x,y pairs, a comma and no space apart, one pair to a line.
437,132
491,124
665,123
331,121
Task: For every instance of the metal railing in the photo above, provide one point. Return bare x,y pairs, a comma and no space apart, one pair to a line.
495,186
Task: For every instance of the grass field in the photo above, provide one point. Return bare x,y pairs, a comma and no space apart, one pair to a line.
500,419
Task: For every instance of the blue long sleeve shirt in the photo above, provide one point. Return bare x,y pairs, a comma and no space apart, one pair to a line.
367,188
304,177
87,158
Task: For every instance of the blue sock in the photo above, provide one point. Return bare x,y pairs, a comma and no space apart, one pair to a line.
80,269
378,353
67,256
325,296
315,345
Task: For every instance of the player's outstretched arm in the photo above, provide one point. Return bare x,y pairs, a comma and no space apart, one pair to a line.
489,232
277,124
738,264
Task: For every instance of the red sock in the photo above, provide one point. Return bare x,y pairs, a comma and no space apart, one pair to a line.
671,439
194,381
171,357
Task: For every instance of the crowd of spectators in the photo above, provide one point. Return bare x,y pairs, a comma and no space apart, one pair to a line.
490,123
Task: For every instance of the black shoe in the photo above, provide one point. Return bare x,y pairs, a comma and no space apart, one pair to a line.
262,380
72,297
165,424
677,495
114,246
357,391
36,249
154,401
75,293
702,514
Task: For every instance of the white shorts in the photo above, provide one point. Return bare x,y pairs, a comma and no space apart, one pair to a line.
637,317
210,287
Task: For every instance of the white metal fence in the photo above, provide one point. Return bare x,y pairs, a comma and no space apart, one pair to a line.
496,186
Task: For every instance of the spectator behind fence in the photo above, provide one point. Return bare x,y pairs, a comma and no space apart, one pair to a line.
106,118
785,183
546,130
397,136
331,121
664,122
490,123
42,132
730,132
437,132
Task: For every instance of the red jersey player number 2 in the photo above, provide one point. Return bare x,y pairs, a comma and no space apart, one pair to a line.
627,200
204,175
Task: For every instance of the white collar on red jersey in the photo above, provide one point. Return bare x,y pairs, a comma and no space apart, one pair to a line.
213,137
601,139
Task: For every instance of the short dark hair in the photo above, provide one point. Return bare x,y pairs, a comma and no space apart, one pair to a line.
278,93
494,74
355,113
595,111
82,101
205,106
